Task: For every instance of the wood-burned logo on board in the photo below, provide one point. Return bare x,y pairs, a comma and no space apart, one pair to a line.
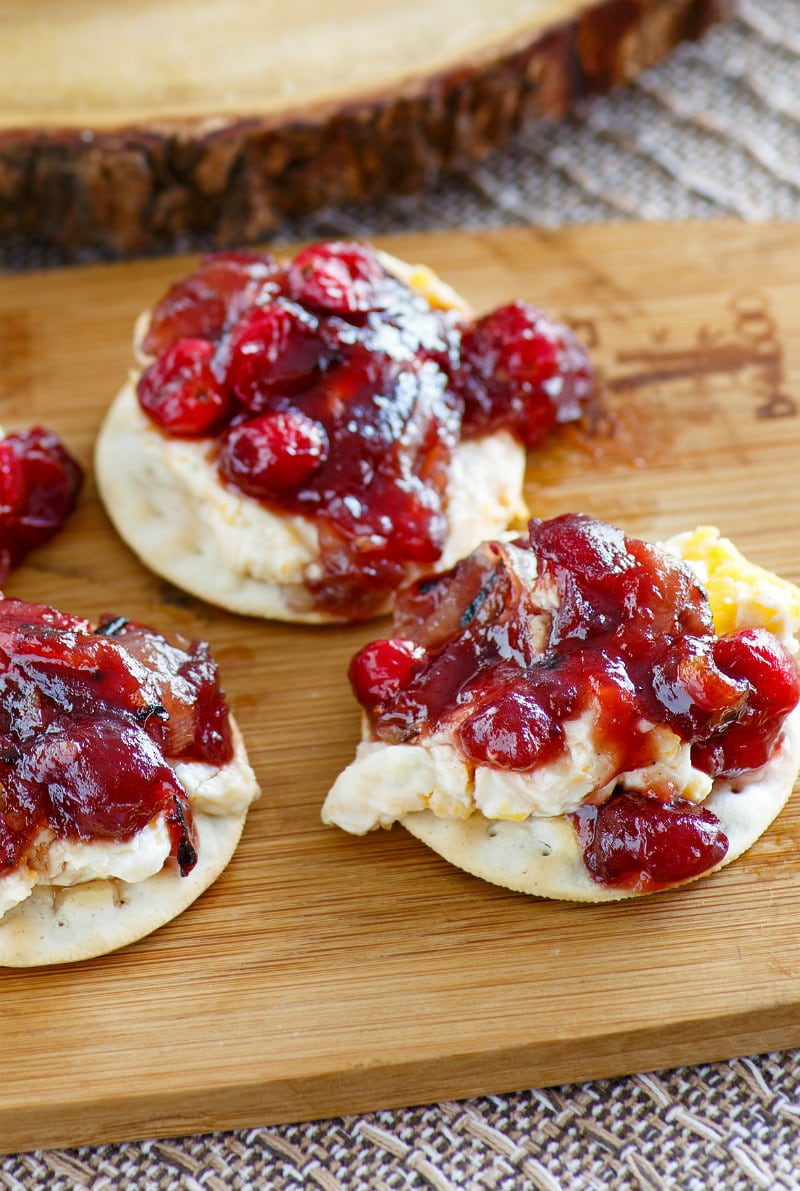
747,351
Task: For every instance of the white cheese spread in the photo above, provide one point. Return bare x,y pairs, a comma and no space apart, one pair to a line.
387,781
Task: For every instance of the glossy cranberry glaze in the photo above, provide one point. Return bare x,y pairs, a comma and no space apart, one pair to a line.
496,662
88,721
39,486
366,390
643,844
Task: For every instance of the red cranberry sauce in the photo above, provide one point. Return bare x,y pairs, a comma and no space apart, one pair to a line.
88,721
336,391
39,487
498,662
642,844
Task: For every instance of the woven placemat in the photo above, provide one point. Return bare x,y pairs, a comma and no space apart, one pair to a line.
713,132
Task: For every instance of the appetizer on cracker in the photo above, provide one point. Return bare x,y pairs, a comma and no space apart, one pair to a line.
579,714
300,439
125,783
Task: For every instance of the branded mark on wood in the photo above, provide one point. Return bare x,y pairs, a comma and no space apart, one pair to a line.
748,349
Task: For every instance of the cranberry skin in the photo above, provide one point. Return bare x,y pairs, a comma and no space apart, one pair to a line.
180,391
382,669
19,618
39,487
199,306
693,691
513,732
91,767
637,842
272,349
756,659
594,551
12,483
338,278
188,715
521,370
272,453
760,659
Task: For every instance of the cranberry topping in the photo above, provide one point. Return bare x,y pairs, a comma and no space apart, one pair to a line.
88,723
181,393
755,657
270,453
522,371
384,668
344,279
392,383
513,732
272,350
185,712
223,286
39,487
66,774
497,663
643,844
379,496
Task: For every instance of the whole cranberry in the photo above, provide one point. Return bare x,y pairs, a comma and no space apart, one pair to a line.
640,842
272,349
519,369
339,278
39,486
759,658
273,452
380,670
756,658
180,391
512,732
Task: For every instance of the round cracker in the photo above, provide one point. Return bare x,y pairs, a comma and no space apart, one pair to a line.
228,549
57,925
542,856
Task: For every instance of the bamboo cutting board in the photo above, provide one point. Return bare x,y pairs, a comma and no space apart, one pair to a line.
324,974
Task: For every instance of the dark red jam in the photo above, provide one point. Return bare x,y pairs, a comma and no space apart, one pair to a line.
335,391
499,663
39,487
642,843
88,722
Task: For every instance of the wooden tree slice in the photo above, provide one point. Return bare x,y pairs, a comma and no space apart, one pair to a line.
122,126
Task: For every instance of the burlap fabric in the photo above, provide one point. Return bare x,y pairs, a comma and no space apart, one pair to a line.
713,132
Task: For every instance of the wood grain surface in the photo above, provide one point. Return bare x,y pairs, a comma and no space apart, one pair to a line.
122,126
324,974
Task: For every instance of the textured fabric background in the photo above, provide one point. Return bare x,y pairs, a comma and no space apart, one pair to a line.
713,132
